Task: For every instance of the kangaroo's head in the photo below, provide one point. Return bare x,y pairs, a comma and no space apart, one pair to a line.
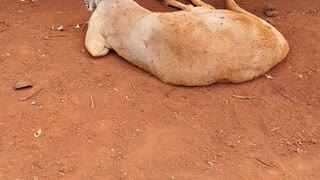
91,5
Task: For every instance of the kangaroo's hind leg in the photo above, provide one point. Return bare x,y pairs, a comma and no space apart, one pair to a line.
233,6
202,4
178,5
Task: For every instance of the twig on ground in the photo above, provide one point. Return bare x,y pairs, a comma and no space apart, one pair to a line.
263,163
56,36
86,138
25,64
47,37
276,128
245,97
283,95
84,25
92,103
31,96
77,124
40,166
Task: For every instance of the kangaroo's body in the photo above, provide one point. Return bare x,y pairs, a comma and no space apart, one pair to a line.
195,47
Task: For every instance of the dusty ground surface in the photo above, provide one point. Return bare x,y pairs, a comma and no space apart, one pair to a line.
106,119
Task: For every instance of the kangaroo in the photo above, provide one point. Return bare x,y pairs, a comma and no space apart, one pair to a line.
197,46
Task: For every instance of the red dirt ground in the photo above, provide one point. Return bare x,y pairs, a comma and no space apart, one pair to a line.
107,119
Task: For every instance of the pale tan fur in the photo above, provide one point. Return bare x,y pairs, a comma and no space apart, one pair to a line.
195,47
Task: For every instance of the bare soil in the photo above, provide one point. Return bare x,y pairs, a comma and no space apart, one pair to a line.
107,119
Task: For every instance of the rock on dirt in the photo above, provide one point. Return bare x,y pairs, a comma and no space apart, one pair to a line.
271,11
22,85
210,163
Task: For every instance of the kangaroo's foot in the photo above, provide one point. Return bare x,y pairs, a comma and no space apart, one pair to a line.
233,6
178,5
202,4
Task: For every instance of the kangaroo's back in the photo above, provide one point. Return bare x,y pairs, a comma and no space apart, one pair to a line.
210,46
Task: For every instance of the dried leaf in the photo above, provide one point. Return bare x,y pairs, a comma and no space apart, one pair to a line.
6,55
245,97
268,76
38,133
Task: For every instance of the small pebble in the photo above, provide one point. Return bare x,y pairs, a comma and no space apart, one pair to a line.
33,103
270,7
60,28
272,13
45,37
210,163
